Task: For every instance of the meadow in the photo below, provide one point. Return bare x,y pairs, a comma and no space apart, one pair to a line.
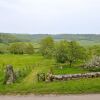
33,54
37,63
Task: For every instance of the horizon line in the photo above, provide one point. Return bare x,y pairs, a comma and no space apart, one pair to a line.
51,33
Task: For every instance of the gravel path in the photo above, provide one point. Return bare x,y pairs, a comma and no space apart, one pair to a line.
52,97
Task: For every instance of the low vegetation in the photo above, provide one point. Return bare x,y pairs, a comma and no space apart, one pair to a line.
50,56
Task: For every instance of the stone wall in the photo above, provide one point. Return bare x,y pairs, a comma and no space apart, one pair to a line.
73,76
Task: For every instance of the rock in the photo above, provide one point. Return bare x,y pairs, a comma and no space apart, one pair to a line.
52,77
41,76
49,77
9,75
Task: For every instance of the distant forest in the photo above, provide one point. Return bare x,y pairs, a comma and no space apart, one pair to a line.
84,39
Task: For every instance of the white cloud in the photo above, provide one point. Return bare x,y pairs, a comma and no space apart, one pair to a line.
49,16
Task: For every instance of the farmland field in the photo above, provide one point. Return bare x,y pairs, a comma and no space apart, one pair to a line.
29,83
31,55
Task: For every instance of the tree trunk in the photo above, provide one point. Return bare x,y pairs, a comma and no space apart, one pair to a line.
70,63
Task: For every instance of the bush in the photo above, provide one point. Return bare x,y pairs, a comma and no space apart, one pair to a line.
21,48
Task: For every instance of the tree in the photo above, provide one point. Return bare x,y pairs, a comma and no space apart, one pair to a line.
61,51
95,50
75,52
70,52
29,49
46,46
17,48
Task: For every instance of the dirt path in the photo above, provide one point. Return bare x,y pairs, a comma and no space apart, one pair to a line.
53,97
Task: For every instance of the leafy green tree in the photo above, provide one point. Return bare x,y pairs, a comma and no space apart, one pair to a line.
61,51
70,52
17,48
95,50
29,49
46,47
75,52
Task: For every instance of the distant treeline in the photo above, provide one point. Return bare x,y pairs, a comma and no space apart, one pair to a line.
9,38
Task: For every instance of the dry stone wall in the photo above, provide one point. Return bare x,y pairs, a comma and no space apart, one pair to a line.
73,76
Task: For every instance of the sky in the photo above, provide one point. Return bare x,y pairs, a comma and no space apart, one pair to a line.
50,16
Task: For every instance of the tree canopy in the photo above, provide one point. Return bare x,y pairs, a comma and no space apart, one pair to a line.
69,52
46,46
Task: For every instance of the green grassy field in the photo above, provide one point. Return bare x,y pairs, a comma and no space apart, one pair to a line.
29,83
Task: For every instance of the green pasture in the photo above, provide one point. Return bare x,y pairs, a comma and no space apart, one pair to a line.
29,83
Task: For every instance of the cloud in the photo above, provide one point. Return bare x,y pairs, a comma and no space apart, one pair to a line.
50,16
